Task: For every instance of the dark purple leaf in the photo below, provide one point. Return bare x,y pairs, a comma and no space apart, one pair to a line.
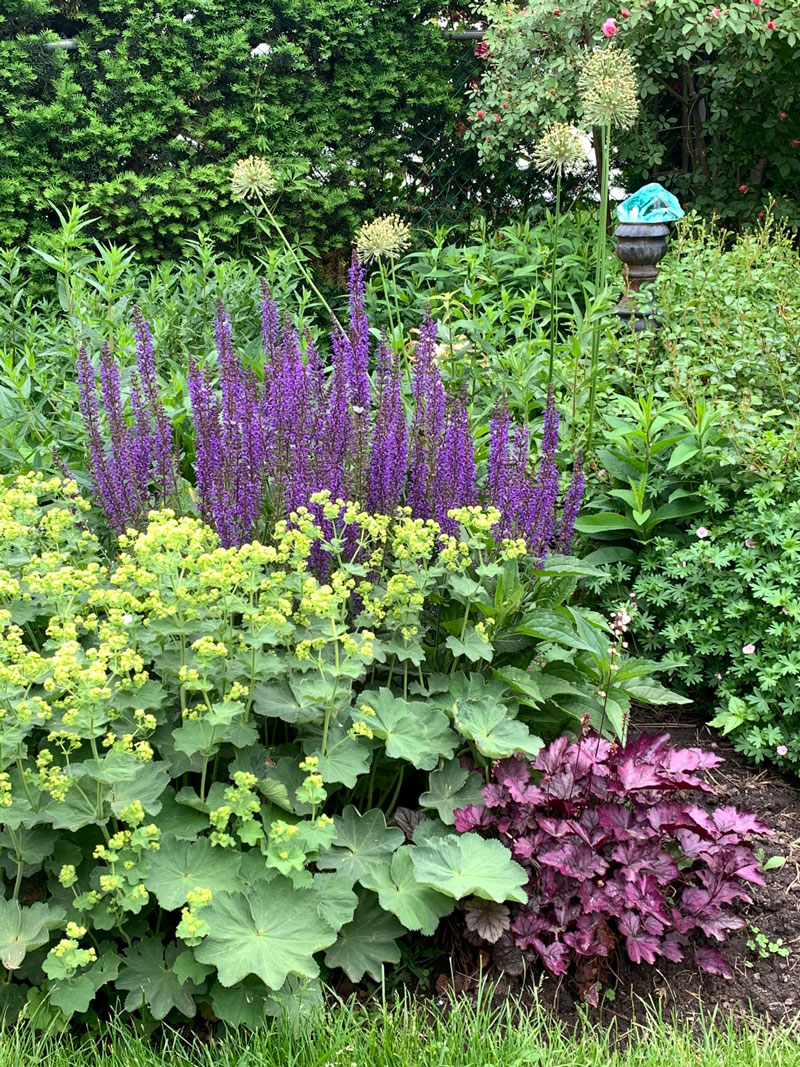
575,860
712,961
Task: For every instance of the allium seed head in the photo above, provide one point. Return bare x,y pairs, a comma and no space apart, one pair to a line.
252,177
609,88
560,150
384,238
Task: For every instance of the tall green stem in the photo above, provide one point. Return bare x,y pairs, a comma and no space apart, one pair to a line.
553,268
300,265
599,274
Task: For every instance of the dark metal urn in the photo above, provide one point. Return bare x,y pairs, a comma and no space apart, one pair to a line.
641,246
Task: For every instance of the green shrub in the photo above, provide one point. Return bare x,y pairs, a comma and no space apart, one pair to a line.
720,118
222,736
144,118
723,599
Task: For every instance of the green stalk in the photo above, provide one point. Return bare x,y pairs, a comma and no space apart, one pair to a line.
300,265
599,274
385,283
554,264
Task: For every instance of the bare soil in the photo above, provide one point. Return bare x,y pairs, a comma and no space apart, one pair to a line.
768,988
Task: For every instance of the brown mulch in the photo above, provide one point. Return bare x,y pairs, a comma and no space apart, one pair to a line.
767,988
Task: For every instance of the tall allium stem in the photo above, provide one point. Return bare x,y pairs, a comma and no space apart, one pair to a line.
287,243
600,275
553,271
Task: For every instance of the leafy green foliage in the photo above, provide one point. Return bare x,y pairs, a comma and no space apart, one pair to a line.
224,735
719,117
159,101
726,603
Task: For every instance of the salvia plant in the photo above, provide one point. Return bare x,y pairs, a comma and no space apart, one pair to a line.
619,859
200,744
265,443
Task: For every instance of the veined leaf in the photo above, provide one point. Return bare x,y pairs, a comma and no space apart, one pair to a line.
494,733
368,942
362,842
271,932
452,787
467,866
418,907
24,929
180,866
412,730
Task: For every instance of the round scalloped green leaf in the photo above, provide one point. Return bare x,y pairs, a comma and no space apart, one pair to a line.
272,932
367,943
180,866
362,842
451,788
418,907
494,733
468,866
411,730
24,929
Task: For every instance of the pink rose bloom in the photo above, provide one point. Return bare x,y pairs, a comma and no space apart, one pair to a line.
758,3
609,27
781,750
715,12
702,532
748,649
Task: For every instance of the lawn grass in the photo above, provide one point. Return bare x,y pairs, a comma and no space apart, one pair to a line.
414,1034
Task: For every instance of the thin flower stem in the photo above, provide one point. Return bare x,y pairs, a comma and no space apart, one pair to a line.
300,265
599,275
553,267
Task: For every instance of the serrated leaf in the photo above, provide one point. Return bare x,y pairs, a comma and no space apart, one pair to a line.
337,900
150,978
411,730
452,787
494,733
488,919
345,760
180,866
24,929
76,993
272,932
146,786
473,646
468,866
418,907
362,842
367,943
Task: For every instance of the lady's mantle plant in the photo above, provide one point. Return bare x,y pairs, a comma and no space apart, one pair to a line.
199,744
617,858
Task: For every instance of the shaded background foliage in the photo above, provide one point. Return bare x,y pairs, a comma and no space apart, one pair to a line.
144,117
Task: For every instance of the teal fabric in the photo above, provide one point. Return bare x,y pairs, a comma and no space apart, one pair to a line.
651,203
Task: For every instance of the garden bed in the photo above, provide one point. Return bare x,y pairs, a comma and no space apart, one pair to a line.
769,987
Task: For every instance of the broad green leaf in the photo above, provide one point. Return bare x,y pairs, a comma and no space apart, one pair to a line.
282,700
271,932
367,943
605,522
76,993
179,820
418,907
494,733
146,786
337,901
345,760
649,692
75,811
450,788
552,626
249,1003
24,929
411,730
148,974
188,969
557,566
473,647
180,866
468,865
362,842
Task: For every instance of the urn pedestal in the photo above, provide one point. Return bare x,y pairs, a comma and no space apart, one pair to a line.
641,246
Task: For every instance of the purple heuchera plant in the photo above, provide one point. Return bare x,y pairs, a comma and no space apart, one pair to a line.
618,857
309,427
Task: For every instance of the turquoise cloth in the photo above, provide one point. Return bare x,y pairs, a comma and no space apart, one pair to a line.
651,203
